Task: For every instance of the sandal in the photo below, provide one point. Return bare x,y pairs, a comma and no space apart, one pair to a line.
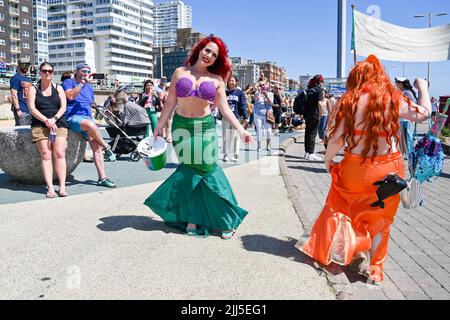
227,235
192,232
374,275
63,194
51,195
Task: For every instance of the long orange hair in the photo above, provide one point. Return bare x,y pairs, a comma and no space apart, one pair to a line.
369,77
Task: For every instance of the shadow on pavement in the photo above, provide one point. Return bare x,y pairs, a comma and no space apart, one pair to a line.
276,247
140,223
445,175
287,249
315,170
8,184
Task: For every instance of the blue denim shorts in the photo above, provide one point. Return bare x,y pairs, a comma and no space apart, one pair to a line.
75,124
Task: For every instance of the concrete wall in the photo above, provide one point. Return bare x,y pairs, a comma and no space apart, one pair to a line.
5,105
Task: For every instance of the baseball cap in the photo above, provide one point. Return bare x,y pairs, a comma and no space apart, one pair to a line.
24,61
82,65
400,79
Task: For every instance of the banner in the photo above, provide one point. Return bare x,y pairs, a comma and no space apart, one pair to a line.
391,42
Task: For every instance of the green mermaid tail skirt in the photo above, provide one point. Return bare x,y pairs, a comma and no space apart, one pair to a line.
198,191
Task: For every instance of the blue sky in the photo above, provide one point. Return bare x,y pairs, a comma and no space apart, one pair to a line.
301,35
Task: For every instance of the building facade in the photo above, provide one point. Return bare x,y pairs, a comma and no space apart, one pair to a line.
40,32
175,56
274,74
246,71
294,85
169,17
16,32
65,55
120,31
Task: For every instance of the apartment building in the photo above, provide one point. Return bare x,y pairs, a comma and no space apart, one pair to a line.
115,37
40,32
16,32
169,17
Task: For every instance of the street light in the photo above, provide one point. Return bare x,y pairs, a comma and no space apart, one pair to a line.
161,54
430,20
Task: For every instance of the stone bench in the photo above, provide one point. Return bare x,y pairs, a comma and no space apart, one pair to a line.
20,160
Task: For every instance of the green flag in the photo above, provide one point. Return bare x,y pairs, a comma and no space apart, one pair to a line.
353,48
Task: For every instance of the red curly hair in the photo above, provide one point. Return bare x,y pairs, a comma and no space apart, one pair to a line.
369,77
222,65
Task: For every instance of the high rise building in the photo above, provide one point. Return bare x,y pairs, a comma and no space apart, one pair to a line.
40,31
170,16
16,31
245,70
115,37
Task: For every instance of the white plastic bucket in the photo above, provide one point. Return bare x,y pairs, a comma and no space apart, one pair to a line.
153,153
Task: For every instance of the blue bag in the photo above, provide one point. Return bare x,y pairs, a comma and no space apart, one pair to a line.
426,158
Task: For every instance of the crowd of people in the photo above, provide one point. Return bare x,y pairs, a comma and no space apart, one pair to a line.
369,122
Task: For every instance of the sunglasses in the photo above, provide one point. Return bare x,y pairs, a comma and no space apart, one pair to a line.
27,65
47,71
87,71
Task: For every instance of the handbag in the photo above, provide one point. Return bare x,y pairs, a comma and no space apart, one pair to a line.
270,117
412,197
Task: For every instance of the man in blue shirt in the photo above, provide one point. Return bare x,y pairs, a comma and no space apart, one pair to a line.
19,85
80,97
230,137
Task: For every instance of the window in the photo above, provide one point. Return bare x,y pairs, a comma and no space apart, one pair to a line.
2,16
2,29
2,42
26,45
2,3
2,54
26,33
24,9
25,21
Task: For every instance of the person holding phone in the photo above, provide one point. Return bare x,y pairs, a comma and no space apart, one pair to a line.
80,97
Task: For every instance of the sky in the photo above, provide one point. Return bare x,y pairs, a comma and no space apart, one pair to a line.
301,36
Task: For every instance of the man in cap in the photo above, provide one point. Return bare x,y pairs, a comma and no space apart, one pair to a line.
80,97
19,85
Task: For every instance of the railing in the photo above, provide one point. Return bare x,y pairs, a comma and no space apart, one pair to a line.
108,86
14,11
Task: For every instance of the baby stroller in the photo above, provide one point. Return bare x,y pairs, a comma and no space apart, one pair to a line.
126,128
286,120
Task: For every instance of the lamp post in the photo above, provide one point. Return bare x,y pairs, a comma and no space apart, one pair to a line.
161,54
430,20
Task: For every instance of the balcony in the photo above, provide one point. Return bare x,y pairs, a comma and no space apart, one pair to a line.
15,36
14,1
14,25
15,49
14,11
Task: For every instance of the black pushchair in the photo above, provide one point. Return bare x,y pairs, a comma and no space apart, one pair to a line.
126,128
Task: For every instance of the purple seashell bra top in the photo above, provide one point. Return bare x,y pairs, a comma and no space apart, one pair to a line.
205,91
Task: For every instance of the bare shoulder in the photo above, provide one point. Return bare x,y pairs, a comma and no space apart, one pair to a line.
217,79
180,71
60,88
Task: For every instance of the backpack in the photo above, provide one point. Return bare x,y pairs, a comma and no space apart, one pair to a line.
300,103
